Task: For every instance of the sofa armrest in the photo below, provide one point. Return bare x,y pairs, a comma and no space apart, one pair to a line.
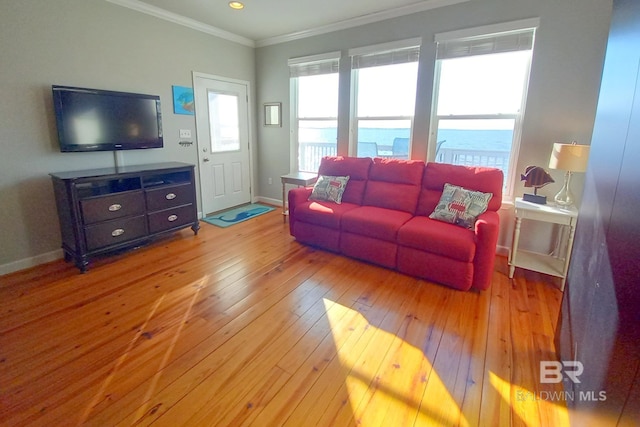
296,197
487,230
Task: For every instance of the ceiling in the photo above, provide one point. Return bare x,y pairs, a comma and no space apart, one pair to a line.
264,22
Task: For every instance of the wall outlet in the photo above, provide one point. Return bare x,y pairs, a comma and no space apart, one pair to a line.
270,180
185,133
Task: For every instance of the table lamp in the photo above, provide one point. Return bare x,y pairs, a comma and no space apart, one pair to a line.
570,158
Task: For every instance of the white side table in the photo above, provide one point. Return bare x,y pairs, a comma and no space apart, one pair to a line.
301,179
553,265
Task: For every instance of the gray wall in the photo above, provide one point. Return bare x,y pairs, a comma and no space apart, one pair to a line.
93,43
87,43
563,89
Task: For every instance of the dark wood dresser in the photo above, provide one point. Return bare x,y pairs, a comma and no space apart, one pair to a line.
104,210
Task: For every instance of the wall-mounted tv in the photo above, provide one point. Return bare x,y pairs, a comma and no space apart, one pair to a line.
103,120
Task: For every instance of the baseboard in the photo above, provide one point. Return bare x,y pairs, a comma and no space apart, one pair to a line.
502,250
269,201
30,262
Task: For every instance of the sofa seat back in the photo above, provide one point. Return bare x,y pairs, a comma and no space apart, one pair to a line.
356,168
486,180
394,184
372,221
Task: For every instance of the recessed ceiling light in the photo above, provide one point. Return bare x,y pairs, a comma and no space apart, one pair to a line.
236,5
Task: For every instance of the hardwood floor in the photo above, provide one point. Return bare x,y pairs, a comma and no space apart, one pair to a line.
245,326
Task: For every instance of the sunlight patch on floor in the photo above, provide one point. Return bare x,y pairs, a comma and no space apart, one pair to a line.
116,367
520,399
194,287
371,377
198,286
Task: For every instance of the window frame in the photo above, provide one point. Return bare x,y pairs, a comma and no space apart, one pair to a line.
480,33
374,50
307,61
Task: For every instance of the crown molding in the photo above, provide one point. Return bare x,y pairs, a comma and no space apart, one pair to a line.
361,20
157,12
184,21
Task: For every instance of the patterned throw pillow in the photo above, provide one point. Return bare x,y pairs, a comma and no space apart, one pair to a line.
460,206
329,188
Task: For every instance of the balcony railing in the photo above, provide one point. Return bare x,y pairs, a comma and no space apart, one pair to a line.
466,157
310,154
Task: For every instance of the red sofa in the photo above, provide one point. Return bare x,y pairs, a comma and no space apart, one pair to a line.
384,219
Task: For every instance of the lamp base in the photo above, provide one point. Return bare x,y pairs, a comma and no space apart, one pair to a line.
564,197
534,198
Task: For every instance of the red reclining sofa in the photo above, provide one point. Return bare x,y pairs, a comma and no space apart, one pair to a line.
383,218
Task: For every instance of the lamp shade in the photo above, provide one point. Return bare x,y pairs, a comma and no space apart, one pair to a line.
569,157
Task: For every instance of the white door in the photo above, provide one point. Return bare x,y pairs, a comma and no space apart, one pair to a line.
222,126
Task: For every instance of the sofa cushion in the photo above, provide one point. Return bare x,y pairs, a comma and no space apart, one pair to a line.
394,184
439,238
324,213
460,206
486,180
329,188
375,222
356,168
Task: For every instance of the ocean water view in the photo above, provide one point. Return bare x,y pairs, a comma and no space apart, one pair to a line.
466,139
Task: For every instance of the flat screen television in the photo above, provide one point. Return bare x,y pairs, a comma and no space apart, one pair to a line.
103,120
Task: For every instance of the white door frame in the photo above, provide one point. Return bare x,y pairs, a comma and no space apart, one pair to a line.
250,125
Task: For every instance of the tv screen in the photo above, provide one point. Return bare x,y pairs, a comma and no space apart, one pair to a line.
101,120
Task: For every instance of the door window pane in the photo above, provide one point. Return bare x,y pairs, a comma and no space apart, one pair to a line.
224,122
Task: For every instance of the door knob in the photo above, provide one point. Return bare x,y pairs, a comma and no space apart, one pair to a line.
206,159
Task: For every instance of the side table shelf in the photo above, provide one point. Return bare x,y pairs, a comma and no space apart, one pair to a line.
548,264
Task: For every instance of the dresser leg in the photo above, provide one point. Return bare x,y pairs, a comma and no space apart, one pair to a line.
83,264
195,227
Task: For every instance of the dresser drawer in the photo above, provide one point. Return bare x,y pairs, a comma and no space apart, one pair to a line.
168,197
171,218
113,232
115,206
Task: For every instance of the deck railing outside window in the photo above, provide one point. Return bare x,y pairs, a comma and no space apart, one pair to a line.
312,152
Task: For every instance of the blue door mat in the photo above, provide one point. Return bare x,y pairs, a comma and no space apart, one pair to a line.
236,215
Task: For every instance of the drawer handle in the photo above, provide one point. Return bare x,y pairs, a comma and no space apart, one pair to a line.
170,196
172,218
115,207
117,232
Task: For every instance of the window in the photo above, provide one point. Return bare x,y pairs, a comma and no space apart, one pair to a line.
224,122
479,97
384,79
314,93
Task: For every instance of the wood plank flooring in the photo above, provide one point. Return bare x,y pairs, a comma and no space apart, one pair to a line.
245,326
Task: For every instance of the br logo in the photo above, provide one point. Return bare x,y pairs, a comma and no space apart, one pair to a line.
552,371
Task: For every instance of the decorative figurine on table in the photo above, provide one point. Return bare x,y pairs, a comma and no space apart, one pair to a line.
536,177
